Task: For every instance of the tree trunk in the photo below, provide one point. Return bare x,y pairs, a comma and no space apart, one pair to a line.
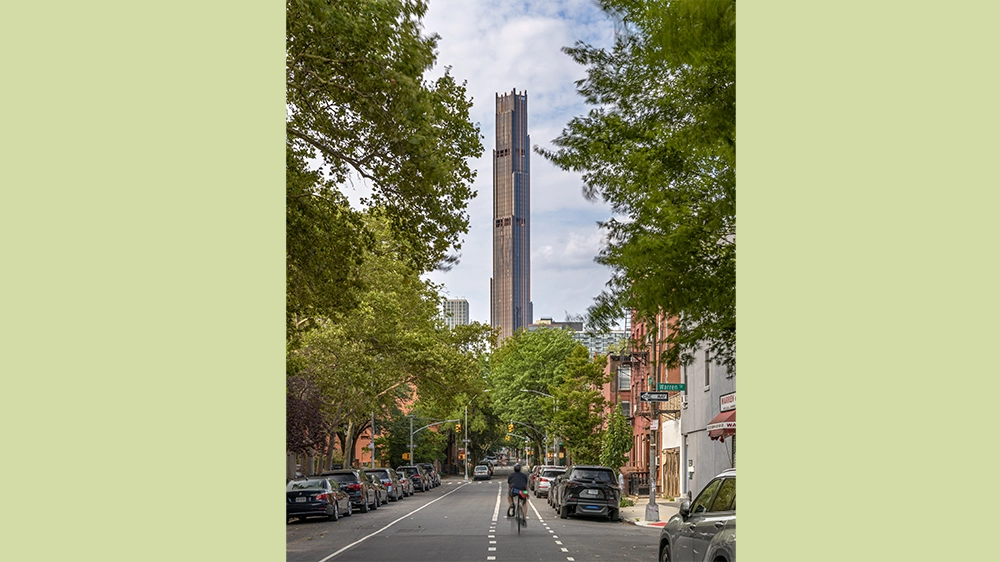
308,467
289,464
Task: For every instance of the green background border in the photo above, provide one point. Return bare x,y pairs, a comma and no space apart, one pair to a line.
868,279
143,296
143,219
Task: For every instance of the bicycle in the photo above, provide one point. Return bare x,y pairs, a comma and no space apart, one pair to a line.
519,506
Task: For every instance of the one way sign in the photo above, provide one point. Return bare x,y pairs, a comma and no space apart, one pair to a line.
654,396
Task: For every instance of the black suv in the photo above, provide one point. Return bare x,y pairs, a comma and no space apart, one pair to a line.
589,490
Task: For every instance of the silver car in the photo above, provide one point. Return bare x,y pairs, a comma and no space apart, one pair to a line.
704,529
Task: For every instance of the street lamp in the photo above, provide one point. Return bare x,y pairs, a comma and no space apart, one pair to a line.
466,440
555,447
412,431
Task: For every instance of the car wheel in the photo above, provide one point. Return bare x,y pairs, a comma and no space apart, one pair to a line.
336,513
350,509
564,512
375,504
613,515
665,553
364,507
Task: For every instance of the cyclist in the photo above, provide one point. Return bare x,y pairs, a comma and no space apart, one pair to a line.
517,483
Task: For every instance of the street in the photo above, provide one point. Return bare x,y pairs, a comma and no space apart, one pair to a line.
461,521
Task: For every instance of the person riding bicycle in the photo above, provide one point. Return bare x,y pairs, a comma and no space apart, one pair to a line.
517,485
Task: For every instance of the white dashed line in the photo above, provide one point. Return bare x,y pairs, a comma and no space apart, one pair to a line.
491,557
558,542
564,549
493,542
492,549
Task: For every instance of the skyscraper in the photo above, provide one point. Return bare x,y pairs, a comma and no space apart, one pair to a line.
456,312
510,287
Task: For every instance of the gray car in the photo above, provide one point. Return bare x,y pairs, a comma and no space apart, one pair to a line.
704,529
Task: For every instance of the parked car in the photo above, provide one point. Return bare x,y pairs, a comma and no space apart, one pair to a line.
390,480
318,496
589,490
405,483
416,475
363,493
535,470
435,477
704,529
544,480
482,472
380,488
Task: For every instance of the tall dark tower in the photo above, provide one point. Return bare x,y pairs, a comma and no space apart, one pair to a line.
510,287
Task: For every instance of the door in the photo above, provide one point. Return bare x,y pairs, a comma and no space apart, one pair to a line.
713,521
688,529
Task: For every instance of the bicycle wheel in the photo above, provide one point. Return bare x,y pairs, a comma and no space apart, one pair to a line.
518,514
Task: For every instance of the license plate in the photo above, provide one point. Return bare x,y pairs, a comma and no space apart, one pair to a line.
591,507
301,499
589,493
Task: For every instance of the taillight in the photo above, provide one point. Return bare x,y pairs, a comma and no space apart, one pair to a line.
354,487
322,497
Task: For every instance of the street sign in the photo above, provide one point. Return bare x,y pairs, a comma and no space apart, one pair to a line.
678,386
654,396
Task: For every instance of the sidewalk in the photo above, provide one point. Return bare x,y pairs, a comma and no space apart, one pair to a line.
636,514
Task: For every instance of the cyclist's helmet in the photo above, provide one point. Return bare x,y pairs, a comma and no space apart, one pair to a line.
517,468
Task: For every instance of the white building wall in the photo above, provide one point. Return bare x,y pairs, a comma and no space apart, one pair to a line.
707,457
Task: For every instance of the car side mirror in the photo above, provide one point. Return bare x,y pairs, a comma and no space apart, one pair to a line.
685,508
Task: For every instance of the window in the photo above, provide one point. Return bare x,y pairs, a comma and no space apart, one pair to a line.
726,497
627,408
704,499
708,367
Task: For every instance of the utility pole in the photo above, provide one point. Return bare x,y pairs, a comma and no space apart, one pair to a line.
466,442
653,510
411,438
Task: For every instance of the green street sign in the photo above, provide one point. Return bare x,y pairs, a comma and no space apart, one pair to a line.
670,386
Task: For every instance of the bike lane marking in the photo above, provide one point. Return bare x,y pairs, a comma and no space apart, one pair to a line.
554,536
363,539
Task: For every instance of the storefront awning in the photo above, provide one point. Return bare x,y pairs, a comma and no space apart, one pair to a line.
722,425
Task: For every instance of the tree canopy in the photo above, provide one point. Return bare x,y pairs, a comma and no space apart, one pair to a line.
358,102
660,147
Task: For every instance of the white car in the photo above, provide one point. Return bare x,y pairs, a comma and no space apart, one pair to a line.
481,472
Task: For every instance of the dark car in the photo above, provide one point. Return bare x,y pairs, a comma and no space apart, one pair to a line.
319,496
435,477
589,490
390,480
380,488
704,529
416,476
356,483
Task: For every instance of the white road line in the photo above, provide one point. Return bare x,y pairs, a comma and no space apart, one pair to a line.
363,539
558,542
496,510
564,549
491,557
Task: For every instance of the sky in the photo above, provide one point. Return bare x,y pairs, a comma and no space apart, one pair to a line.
498,47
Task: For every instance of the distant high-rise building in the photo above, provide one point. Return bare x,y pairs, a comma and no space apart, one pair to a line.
456,312
594,342
510,286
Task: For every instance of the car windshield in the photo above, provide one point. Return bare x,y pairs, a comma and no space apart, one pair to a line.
551,473
306,485
344,478
595,475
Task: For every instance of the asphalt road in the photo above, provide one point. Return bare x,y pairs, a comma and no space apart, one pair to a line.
459,522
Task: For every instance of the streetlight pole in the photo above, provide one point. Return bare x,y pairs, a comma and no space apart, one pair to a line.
466,442
555,448
412,431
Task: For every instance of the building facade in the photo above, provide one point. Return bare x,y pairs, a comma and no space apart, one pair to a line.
510,286
708,421
455,312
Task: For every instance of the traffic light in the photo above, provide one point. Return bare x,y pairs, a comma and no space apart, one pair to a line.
458,427
506,438
406,456
510,427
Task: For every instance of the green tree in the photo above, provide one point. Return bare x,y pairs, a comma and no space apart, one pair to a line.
358,102
578,420
660,147
617,440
